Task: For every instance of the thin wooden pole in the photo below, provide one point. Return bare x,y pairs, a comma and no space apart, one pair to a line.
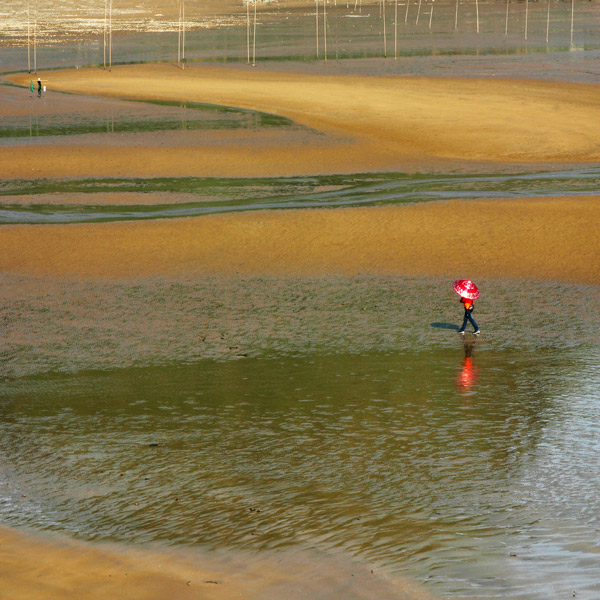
396,30
418,13
477,11
317,25
526,16
110,35
104,32
506,26
35,43
384,30
548,22
254,38
325,28
179,36
431,15
248,28
456,16
183,34
406,15
28,43
572,19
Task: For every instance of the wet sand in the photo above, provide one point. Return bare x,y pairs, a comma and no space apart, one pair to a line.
542,238
363,124
385,124
57,568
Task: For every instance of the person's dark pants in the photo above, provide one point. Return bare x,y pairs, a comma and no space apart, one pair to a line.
468,317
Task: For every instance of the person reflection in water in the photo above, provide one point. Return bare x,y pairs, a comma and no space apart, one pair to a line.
467,378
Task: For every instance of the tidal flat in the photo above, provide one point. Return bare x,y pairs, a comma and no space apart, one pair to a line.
339,416
276,404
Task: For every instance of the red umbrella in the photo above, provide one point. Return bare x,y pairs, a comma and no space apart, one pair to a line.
466,289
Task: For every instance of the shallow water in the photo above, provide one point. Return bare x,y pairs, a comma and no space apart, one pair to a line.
284,32
118,117
327,414
219,195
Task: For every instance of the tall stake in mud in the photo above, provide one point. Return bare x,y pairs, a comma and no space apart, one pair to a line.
418,13
317,26
384,30
396,31
183,34
506,26
572,15
35,42
254,38
110,35
325,28
526,16
406,15
28,34
477,11
104,31
179,37
456,16
431,16
548,22
248,28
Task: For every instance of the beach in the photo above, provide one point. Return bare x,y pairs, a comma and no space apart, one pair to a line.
341,124
364,124
355,124
34,567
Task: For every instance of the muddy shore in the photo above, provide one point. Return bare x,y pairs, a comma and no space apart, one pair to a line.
352,124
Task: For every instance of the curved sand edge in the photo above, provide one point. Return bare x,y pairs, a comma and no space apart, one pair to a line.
56,568
388,123
542,238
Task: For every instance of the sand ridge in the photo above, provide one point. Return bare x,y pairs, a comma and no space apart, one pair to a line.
387,123
542,238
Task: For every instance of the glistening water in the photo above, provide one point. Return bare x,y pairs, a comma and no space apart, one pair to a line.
354,421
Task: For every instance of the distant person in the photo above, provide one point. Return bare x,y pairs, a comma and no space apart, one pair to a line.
469,305
39,82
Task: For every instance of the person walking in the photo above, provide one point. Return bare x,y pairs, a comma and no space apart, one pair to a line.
39,83
469,306
468,293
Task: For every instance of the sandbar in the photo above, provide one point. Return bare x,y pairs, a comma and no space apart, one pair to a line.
535,238
366,123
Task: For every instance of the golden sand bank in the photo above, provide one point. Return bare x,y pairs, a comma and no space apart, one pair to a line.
36,567
367,123
546,238
32,568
